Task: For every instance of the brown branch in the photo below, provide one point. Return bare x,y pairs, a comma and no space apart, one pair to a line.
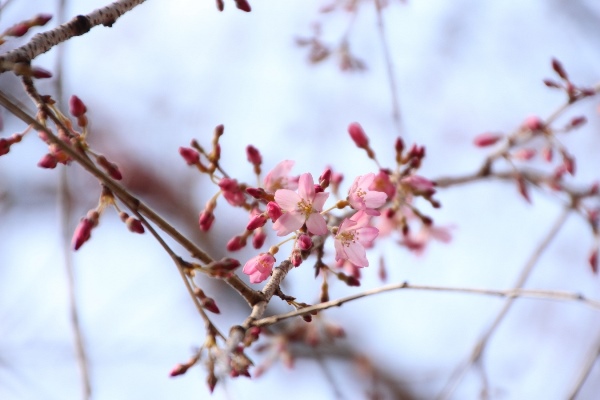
81,24
590,361
511,294
134,204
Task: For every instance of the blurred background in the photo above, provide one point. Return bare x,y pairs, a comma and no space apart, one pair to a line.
168,72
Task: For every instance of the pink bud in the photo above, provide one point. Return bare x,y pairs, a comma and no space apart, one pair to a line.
258,238
577,122
274,211
325,178
524,154
41,19
533,123
253,155
111,168
17,30
76,107
236,243
205,220
134,225
190,156
296,258
547,153
179,369
256,222
358,135
487,139
304,242
209,304
83,232
48,161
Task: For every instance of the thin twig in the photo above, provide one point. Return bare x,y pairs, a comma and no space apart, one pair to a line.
508,293
478,350
585,370
64,204
396,116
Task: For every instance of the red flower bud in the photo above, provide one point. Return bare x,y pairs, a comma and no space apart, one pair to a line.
134,225
179,369
274,211
559,69
236,243
205,220
76,107
304,242
487,139
243,5
41,19
209,304
253,155
190,156
40,73
257,221
48,161
258,238
17,30
358,135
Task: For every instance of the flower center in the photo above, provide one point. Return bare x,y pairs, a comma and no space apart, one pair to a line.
347,237
305,208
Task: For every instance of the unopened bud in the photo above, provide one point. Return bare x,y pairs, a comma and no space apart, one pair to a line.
487,139
358,135
76,107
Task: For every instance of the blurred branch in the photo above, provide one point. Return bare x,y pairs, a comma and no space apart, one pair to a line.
585,370
396,116
79,25
65,206
480,346
511,294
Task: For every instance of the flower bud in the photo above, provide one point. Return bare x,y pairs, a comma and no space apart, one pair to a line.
76,107
358,135
487,139
190,156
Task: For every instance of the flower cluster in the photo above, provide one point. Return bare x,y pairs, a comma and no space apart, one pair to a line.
295,207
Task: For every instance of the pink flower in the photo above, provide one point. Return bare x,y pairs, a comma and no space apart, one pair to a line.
259,268
354,234
382,183
361,197
302,207
278,177
419,185
419,241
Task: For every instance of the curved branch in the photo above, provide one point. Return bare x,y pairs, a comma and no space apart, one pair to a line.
510,294
79,25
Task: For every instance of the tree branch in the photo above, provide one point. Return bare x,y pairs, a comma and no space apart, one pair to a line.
509,293
79,25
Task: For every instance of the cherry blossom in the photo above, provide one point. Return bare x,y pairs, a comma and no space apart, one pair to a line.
259,268
354,234
279,177
302,207
361,197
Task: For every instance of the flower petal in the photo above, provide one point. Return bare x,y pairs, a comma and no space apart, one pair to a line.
316,224
288,223
287,199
